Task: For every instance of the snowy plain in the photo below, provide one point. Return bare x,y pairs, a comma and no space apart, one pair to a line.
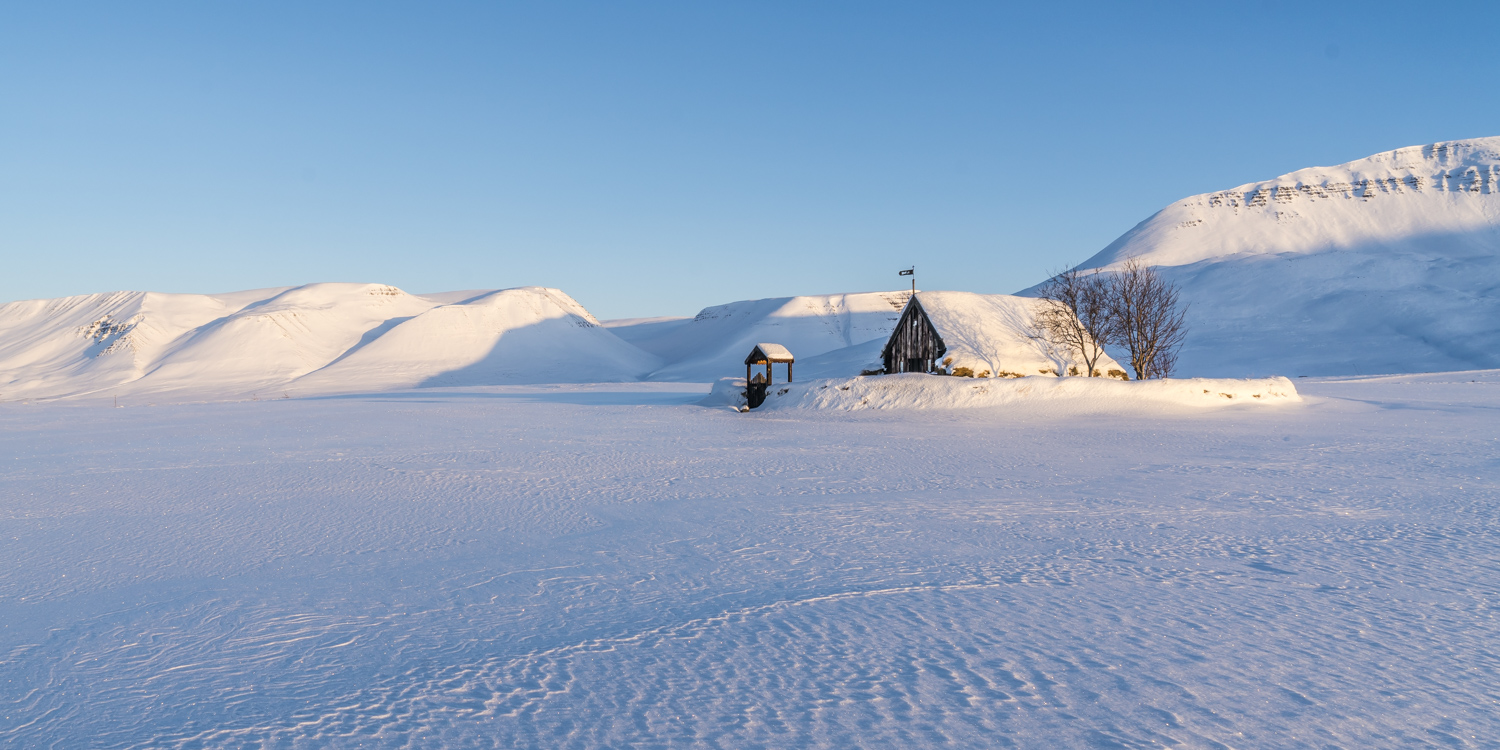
618,566
396,520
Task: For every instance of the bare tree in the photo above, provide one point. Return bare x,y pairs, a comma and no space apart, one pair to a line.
1078,314
1149,321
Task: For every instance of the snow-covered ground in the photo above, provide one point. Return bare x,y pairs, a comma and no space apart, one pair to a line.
615,566
902,561
1385,264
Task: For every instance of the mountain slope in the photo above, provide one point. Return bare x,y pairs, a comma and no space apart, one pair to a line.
714,343
1386,264
88,343
278,339
318,338
525,335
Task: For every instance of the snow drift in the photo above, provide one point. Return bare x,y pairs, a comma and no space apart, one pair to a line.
843,363
1387,264
918,391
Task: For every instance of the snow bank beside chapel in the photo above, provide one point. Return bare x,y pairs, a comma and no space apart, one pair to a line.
918,391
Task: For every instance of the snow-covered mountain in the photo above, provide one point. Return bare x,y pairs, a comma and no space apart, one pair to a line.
316,338
78,345
526,335
714,343
1387,264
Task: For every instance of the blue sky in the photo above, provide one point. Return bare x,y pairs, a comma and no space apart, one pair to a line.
654,158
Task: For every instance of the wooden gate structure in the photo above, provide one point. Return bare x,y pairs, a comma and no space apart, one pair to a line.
764,354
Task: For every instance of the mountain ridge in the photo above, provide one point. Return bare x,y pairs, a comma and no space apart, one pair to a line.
1440,174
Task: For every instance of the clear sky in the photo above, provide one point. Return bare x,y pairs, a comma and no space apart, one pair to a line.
651,158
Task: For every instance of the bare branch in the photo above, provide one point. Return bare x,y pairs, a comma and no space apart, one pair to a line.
1149,320
1077,316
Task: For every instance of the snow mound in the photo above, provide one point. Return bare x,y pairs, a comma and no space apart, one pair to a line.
995,335
917,391
714,343
843,363
1388,264
525,335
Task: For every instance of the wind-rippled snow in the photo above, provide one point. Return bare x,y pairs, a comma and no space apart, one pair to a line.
613,566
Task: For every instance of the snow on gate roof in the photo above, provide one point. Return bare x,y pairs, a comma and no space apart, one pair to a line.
768,352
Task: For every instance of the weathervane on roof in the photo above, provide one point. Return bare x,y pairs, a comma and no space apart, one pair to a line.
912,272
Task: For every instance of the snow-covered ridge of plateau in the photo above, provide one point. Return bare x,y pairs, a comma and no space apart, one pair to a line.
1387,264
316,338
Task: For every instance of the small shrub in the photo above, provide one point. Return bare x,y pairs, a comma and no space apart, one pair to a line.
1008,374
1047,371
983,374
963,372
1121,374
1073,371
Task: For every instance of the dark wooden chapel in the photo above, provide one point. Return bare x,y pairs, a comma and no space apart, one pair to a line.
915,345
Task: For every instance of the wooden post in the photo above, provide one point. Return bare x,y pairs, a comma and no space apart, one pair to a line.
789,372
